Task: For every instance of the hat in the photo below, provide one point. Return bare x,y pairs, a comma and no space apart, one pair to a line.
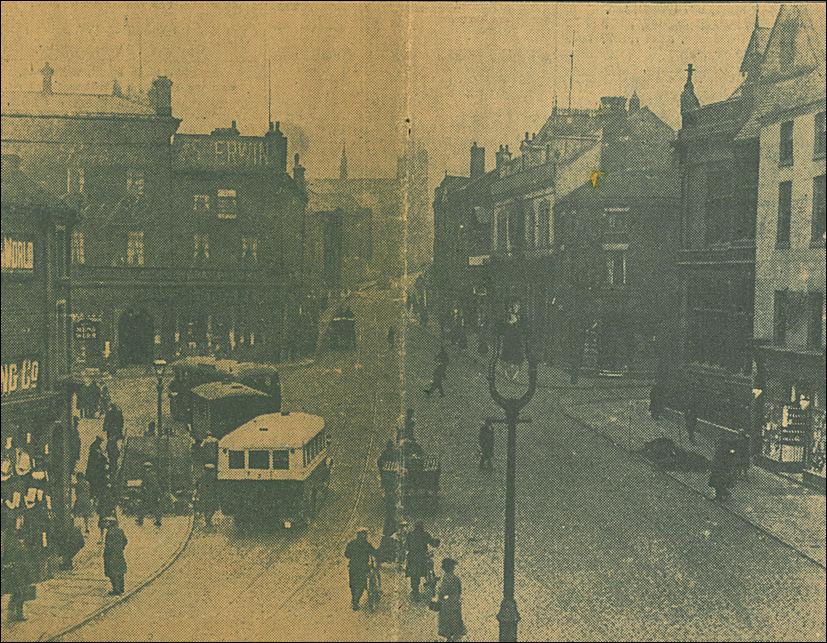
362,530
147,463
448,564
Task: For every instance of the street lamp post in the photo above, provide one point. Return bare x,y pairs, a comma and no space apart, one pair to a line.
160,366
508,616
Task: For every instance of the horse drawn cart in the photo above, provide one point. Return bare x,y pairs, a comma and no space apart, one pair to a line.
419,478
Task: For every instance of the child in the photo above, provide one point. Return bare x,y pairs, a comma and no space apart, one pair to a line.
83,500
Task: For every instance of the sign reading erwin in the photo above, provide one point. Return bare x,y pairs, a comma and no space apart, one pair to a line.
211,152
18,255
21,375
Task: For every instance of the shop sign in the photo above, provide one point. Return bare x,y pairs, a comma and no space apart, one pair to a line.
21,376
87,329
18,255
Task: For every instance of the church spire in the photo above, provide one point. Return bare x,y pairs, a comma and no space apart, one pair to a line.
343,164
688,99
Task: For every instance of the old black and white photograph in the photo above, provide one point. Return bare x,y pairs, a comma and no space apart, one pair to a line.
413,321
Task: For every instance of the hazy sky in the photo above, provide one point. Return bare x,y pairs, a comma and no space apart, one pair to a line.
352,72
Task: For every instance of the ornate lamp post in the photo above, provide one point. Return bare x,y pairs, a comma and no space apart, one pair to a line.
160,366
510,347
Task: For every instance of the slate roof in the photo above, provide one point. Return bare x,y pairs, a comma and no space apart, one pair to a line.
30,103
781,96
18,190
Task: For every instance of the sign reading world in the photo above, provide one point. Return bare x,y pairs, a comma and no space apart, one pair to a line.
18,255
213,152
21,376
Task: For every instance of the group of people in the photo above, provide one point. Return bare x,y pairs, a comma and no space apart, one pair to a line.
92,399
731,456
363,560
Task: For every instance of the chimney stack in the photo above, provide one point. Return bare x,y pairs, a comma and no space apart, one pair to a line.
503,156
276,144
160,96
47,73
298,172
477,161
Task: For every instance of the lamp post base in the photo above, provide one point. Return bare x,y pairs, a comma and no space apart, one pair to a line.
508,616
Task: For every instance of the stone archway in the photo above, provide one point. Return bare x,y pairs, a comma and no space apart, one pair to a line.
136,334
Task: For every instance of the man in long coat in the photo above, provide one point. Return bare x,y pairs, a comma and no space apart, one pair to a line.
16,574
358,553
114,562
419,563
206,494
96,468
150,496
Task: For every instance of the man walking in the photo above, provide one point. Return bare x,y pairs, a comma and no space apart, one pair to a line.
113,428
150,496
114,562
16,574
419,563
436,383
206,494
486,445
358,553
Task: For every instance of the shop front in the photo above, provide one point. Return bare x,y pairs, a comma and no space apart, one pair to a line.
793,414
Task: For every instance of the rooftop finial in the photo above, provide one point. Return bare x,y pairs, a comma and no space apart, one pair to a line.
343,164
756,15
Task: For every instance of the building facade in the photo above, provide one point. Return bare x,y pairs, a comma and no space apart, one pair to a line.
743,240
790,256
160,265
36,398
495,232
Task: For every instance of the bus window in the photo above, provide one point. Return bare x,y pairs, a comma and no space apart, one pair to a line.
236,460
259,460
281,459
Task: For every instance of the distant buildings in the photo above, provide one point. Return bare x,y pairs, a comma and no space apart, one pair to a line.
752,246
393,212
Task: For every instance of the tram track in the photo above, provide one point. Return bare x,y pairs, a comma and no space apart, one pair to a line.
276,554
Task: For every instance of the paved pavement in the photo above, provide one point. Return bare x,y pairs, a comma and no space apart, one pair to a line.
72,597
789,511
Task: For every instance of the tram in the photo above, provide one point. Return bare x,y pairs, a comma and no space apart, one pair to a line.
191,372
275,468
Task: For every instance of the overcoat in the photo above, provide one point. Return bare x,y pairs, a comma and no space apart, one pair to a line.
449,597
114,562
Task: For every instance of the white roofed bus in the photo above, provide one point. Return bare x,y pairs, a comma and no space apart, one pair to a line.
275,467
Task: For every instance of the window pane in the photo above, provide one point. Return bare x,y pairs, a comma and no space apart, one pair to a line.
281,459
236,459
227,204
786,145
259,460
818,222
820,139
782,237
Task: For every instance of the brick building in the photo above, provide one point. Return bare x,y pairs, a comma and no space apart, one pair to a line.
741,191
495,231
154,253
790,257
36,397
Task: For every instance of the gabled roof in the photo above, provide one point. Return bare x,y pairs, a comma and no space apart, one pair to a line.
30,103
781,96
755,49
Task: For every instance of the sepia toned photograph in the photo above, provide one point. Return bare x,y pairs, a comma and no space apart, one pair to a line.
413,321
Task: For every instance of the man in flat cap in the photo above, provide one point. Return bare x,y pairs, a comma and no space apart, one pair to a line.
358,553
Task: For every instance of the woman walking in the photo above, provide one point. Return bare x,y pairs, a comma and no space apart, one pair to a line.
449,603
83,500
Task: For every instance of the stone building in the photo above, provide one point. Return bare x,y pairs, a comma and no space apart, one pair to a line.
154,255
495,231
741,190
36,397
241,223
789,322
